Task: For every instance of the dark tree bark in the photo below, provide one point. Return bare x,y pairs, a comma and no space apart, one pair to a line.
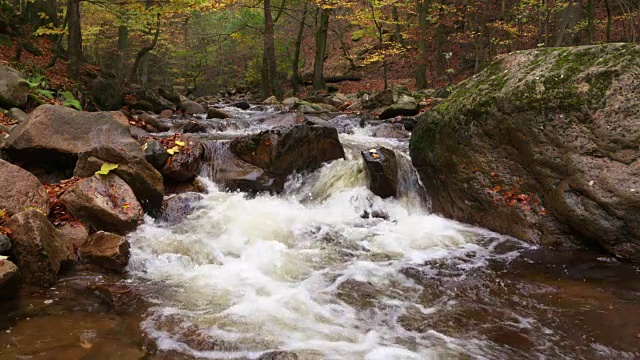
296,56
421,67
270,76
591,15
74,40
606,2
321,47
58,51
144,51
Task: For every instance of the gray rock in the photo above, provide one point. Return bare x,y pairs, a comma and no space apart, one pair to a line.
406,106
176,208
155,154
391,131
214,113
192,107
382,169
13,90
18,115
5,243
109,251
107,93
20,190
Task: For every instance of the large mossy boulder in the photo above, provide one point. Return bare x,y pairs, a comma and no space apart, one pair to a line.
542,145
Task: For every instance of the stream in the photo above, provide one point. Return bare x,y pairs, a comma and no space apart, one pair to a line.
328,270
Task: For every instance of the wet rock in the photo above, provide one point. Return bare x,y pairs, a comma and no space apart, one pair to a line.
194,127
141,105
355,106
279,355
382,170
328,107
391,131
283,119
107,93
19,190
406,106
236,174
39,249
359,294
155,154
106,250
307,108
139,174
284,150
53,136
345,124
290,101
17,115
122,299
165,114
443,92
242,105
176,208
157,122
169,94
184,165
532,150
13,90
104,202
184,187
409,123
192,107
8,279
214,113
5,243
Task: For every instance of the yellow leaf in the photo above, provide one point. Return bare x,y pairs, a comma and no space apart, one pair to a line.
173,150
373,151
2,257
179,143
3,213
106,167
145,146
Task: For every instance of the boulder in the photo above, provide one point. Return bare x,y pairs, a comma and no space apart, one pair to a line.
386,97
235,174
406,106
143,179
285,150
184,165
345,124
17,115
307,108
55,135
8,280
5,243
382,170
542,145
290,101
107,93
38,248
155,154
176,208
173,187
106,250
214,113
327,107
169,94
156,122
271,100
391,131
192,107
165,114
74,233
193,127
13,90
409,123
283,119
151,98
20,190
242,105
138,133
104,202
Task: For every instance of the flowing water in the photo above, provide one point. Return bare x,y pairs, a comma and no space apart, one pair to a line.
328,270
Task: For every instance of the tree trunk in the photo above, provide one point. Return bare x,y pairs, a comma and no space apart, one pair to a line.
591,14
296,56
396,24
123,45
421,67
58,51
134,69
74,40
270,52
606,2
321,47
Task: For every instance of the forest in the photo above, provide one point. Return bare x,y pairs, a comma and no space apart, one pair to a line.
319,179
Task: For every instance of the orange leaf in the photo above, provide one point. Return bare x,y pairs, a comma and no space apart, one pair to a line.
497,188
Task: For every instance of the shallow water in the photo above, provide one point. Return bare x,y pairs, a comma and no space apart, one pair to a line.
328,270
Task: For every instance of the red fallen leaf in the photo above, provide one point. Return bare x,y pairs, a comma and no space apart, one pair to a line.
543,211
520,181
462,166
508,194
474,170
511,202
443,177
494,175
489,191
267,142
497,188
521,197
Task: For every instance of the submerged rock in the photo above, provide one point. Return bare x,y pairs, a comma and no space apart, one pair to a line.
284,150
542,145
39,249
20,190
242,105
194,127
8,279
176,208
104,202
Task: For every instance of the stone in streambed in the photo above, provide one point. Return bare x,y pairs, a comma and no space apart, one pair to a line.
382,169
20,190
106,250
